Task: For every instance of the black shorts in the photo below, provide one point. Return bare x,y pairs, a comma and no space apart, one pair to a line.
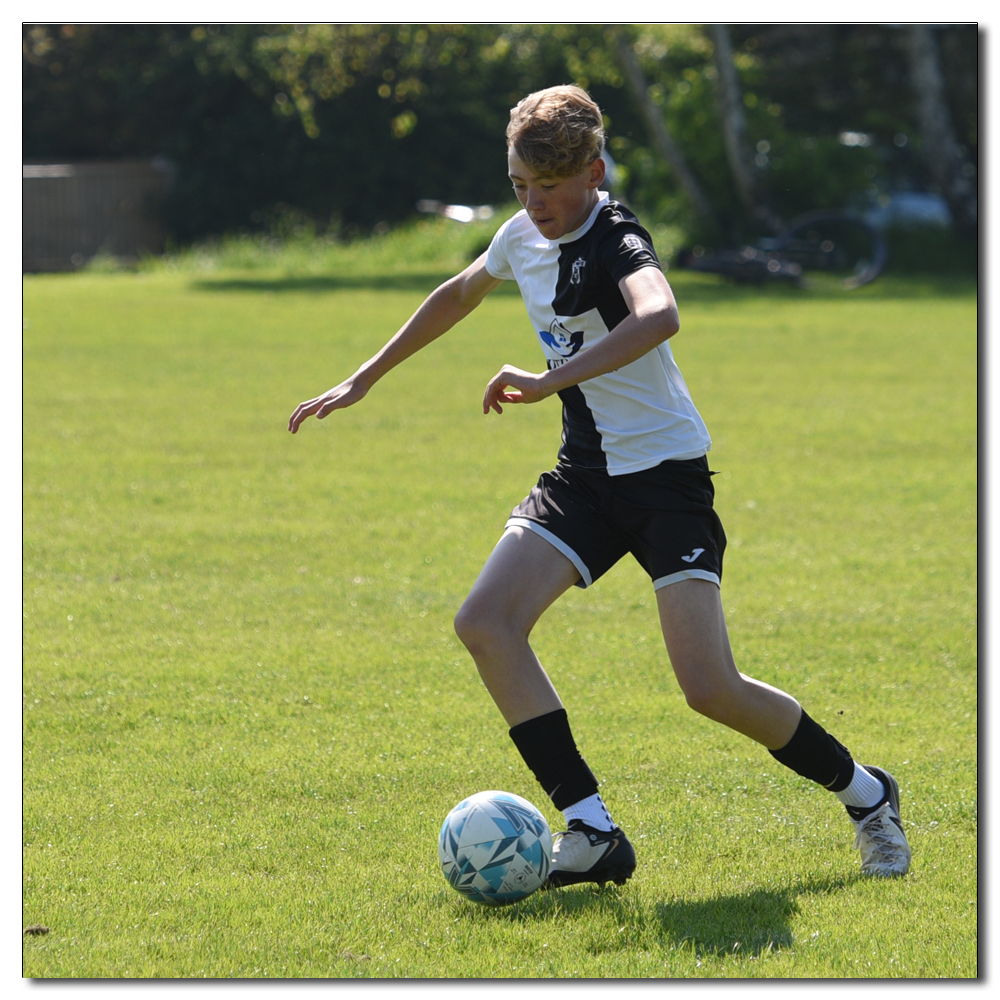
663,516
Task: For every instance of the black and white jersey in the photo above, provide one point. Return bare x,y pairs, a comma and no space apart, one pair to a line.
626,420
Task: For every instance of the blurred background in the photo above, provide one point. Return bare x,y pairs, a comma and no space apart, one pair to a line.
143,138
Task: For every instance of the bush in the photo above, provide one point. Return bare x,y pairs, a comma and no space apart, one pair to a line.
930,250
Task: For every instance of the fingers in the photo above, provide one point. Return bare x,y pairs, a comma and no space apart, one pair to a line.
302,411
490,401
502,397
495,394
318,407
509,385
336,398
489,396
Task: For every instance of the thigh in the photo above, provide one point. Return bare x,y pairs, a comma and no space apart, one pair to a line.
522,577
694,630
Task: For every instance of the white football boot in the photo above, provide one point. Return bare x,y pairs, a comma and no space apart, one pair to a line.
880,837
583,854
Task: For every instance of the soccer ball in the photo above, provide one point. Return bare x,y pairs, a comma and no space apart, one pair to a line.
495,848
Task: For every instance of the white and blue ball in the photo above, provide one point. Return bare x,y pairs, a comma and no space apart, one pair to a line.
495,848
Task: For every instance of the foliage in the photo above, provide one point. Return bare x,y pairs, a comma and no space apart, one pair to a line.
930,250
106,91
805,84
347,126
246,713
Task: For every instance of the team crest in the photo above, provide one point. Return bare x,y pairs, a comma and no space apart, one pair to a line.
560,339
576,278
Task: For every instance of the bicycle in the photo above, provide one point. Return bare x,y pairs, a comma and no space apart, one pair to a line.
839,245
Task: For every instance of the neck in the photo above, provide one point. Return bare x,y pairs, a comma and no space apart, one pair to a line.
592,200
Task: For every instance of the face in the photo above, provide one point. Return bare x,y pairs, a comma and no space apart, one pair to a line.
556,205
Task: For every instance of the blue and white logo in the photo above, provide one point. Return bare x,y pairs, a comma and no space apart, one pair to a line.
564,343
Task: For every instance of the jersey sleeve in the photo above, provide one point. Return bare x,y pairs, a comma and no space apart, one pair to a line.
625,249
497,261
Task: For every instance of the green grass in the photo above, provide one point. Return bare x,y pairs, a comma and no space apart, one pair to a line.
425,243
245,711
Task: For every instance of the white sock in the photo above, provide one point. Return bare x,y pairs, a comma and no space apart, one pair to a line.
864,791
592,811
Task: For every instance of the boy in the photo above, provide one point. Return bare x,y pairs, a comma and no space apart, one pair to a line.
632,476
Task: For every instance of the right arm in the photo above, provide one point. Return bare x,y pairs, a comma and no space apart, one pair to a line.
440,311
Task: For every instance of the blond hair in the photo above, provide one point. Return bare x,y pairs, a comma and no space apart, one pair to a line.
556,132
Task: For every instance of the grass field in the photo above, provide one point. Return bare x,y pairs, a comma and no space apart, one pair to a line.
246,713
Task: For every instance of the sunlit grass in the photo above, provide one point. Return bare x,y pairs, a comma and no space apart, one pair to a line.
246,713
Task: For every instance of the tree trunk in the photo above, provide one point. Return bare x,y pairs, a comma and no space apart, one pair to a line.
734,132
662,139
937,136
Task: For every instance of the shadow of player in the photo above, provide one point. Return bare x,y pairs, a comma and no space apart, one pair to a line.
748,923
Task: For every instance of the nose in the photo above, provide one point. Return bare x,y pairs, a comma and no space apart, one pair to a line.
534,201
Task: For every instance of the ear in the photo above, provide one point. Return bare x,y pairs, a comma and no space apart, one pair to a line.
598,170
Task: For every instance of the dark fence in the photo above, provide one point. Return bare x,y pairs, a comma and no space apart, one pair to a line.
71,212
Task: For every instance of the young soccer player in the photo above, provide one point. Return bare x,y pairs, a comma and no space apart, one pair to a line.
631,476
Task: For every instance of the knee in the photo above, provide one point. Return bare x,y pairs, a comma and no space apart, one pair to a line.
703,700
478,626
465,624
699,698
710,700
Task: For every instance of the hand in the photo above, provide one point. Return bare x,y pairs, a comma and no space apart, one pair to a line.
347,393
528,388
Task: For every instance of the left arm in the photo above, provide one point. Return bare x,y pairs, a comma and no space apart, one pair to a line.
652,319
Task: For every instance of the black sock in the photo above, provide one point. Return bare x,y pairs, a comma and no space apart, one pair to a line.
816,755
548,748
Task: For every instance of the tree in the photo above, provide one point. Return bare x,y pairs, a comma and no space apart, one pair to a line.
938,144
739,152
344,125
349,125
660,134
835,105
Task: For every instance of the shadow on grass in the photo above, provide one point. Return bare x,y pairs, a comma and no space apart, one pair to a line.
558,904
749,923
699,288
321,283
711,289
